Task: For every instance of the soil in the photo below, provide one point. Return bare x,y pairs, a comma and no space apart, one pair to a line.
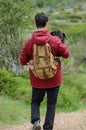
63,121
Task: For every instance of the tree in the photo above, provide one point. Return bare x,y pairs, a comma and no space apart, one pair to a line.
15,17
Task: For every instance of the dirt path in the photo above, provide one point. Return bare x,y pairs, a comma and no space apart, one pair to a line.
63,121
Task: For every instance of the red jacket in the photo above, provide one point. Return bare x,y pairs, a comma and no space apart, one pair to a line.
57,47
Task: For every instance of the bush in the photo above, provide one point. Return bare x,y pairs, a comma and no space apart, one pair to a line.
8,83
76,32
15,87
78,52
14,21
72,94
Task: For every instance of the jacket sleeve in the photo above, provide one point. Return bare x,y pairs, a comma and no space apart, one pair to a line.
63,50
24,55
60,49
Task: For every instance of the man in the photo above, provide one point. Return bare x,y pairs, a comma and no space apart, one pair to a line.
39,86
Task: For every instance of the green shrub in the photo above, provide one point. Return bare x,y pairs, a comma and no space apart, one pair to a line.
14,86
8,83
77,52
74,31
24,75
15,18
72,94
23,92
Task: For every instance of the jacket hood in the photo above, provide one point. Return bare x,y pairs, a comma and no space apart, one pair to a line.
41,37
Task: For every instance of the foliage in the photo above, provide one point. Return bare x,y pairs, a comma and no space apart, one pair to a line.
19,88
15,17
80,57
15,87
55,3
8,83
72,94
16,24
74,31
16,91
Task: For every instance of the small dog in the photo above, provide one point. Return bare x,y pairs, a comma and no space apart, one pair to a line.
60,34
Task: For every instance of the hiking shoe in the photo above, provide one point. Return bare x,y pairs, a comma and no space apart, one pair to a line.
36,127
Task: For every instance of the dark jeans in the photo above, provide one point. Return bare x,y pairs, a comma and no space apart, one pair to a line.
37,98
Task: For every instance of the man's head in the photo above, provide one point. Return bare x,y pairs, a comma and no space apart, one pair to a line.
41,19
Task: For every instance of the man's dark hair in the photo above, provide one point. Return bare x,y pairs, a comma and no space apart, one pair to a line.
40,20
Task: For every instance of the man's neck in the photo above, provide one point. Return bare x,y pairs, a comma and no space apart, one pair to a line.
41,29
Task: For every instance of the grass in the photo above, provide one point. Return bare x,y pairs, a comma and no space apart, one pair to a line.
16,109
16,91
72,94
13,112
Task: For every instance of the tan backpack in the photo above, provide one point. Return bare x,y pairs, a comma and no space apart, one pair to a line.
43,64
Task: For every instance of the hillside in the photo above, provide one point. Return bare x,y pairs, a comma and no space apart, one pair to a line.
16,25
